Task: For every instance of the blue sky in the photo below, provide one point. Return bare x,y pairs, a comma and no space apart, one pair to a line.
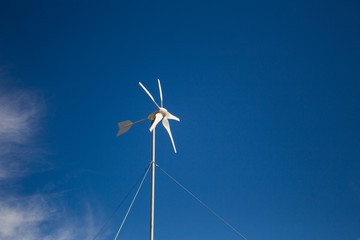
268,94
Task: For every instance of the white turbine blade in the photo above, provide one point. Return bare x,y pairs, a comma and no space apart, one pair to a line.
170,116
165,122
157,119
149,94
124,127
161,98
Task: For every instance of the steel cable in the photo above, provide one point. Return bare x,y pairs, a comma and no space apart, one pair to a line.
120,204
117,234
202,203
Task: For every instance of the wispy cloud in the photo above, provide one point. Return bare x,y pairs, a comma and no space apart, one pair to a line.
39,215
21,219
20,112
30,218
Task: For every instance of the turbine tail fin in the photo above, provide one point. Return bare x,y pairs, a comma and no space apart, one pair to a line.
124,127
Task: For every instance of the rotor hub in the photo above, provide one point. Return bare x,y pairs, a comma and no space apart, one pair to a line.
163,111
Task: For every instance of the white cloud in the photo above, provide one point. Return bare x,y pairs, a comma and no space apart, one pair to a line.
18,217
20,112
40,215
30,218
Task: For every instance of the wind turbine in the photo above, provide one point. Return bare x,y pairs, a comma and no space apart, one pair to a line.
155,117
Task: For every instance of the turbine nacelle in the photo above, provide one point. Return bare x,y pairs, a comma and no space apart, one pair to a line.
164,113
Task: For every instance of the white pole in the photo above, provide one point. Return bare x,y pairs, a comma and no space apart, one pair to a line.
152,186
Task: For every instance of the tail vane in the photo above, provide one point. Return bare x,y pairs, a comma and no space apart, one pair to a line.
124,127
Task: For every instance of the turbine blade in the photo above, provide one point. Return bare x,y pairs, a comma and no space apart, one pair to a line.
149,94
157,119
170,116
124,127
165,122
161,98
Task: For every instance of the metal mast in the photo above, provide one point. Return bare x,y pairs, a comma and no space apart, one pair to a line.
152,187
